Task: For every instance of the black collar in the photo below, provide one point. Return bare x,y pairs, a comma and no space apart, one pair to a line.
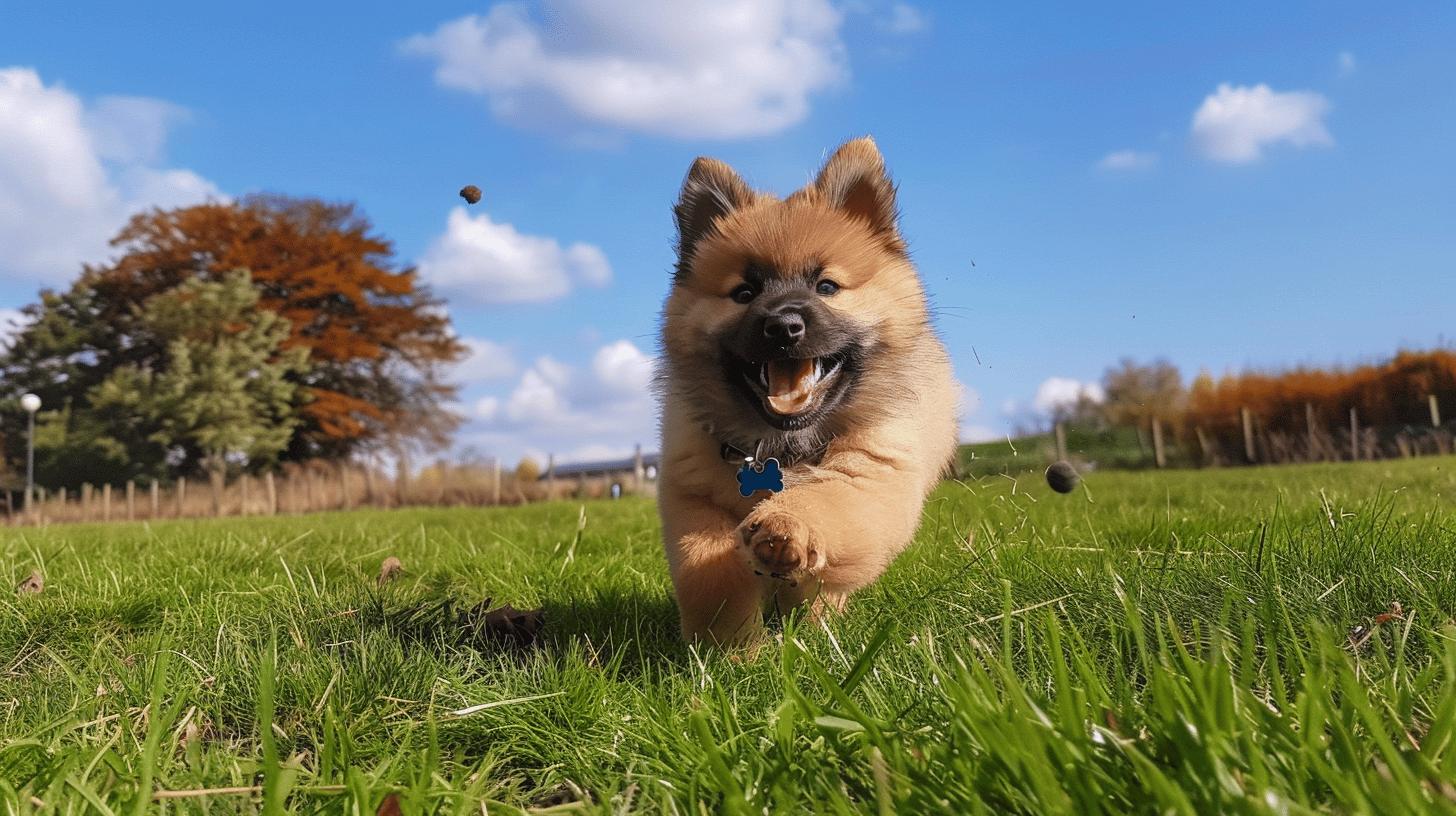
732,453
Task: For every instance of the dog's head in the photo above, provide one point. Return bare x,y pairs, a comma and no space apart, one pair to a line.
787,315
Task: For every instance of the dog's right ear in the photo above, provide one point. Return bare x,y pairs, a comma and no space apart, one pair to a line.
710,191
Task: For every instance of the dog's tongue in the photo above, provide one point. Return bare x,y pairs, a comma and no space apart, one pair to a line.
790,385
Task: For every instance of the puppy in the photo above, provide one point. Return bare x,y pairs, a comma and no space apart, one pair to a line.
798,354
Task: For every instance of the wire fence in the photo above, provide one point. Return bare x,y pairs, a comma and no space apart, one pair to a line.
1245,438
316,487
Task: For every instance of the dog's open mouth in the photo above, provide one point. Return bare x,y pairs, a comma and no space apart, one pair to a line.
793,392
793,387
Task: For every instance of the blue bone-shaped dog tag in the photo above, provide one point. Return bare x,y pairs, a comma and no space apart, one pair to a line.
765,476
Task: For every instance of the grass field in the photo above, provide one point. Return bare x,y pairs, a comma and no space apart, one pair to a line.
1174,643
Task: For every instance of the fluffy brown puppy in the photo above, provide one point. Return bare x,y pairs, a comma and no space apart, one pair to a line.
796,330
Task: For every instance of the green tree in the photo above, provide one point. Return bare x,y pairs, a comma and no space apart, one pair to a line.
224,394
379,344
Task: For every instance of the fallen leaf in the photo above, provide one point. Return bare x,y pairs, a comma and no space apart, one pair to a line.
31,585
389,570
508,625
1360,635
389,807
1395,612
1111,719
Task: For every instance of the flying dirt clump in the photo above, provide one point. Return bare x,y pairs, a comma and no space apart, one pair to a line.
481,625
32,585
389,570
470,193
1062,477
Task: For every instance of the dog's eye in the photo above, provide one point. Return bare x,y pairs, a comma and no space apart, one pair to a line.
826,287
743,294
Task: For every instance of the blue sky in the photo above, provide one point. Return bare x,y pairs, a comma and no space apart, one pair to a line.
1231,186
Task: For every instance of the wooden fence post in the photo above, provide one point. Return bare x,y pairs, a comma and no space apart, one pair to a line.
1435,410
401,479
131,500
181,497
308,491
85,501
1309,427
1205,447
495,481
1248,421
106,502
156,499
1354,435
1159,455
550,476
344,497
271,489
1058,430
243,494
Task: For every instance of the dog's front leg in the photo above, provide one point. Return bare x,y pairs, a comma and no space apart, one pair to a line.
835,533
719,598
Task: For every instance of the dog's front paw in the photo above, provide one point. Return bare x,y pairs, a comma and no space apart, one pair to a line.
780,545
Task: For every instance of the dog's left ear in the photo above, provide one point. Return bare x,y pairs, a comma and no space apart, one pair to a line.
854,180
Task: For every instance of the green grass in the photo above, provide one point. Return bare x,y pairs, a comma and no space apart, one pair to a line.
1159,642
1107,448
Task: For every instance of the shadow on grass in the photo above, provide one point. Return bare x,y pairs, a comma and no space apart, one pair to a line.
629,630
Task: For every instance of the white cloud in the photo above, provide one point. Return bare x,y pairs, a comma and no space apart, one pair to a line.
481,260
487,408
609,404
1347,63
132,128
622,368
1127,160
539,398
680,68
1064,392
484,360
970,406
70,174
1235,123
905,19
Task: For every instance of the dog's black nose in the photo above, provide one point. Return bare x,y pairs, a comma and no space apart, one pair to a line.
786,327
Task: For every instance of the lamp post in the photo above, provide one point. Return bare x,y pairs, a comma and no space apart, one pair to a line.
31,404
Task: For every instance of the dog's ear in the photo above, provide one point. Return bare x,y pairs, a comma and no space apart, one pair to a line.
854,180
710,191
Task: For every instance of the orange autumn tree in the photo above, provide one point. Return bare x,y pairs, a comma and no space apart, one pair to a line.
1387,395
377,340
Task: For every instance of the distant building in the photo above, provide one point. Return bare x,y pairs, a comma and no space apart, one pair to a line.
619,475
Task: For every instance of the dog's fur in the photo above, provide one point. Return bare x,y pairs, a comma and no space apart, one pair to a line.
856,475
